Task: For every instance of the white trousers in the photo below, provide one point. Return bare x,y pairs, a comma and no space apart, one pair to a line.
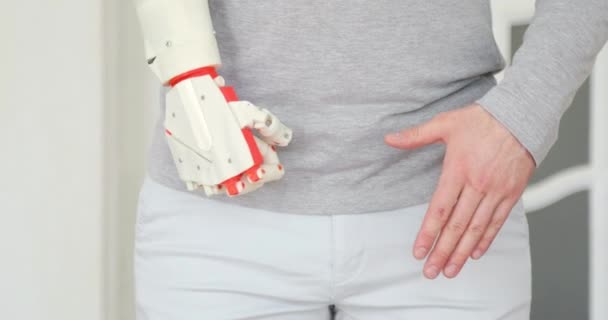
198,259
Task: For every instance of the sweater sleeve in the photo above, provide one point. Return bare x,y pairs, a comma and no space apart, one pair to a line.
557,55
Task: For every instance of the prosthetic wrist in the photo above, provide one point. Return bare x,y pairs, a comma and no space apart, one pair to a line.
207,128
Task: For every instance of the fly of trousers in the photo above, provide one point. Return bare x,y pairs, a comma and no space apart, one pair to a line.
199,259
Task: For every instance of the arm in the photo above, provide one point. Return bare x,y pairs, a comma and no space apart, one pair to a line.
493,147
207,128
178,36
557,55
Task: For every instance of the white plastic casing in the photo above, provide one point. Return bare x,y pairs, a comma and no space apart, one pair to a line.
178,36
205,137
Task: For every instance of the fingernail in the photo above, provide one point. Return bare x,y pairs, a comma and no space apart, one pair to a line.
451,270
420,253
431,272
477,254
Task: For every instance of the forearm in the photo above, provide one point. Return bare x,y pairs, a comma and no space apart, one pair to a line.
557,55
178,36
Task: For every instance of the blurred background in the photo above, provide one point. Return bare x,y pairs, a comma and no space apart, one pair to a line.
77,104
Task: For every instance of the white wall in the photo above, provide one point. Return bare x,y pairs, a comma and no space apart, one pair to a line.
132,109
51,104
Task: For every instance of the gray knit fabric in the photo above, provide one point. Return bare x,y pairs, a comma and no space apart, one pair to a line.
343,73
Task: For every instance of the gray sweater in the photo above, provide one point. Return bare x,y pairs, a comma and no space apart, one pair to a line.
343,73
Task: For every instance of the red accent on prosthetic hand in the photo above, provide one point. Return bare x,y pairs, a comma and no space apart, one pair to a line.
204,71
258,159
252,174
231,96
231,185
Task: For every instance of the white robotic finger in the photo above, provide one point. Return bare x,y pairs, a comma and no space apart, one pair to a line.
272,130
249,186
272,172
212,190
271,169
266,173
256,175
244,186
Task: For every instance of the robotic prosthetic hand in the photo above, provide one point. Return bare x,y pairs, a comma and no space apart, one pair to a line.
210,137
209,131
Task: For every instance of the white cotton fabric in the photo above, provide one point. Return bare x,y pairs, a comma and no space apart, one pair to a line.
198,259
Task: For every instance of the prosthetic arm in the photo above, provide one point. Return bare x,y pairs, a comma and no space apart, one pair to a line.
209,131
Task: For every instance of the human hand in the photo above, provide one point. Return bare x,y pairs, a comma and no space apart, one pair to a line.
485,171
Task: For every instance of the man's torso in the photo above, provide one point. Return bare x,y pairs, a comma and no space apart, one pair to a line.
342,74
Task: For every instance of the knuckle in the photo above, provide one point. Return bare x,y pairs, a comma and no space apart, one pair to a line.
482,183
442,255
459,258
455,227
509,187
496,225
483,245
477,230
414,133
487,240
459,165
427,235
441,213
492,231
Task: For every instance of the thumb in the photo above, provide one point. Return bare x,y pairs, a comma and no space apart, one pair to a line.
415,137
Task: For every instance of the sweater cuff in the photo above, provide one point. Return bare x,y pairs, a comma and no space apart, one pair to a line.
531,123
